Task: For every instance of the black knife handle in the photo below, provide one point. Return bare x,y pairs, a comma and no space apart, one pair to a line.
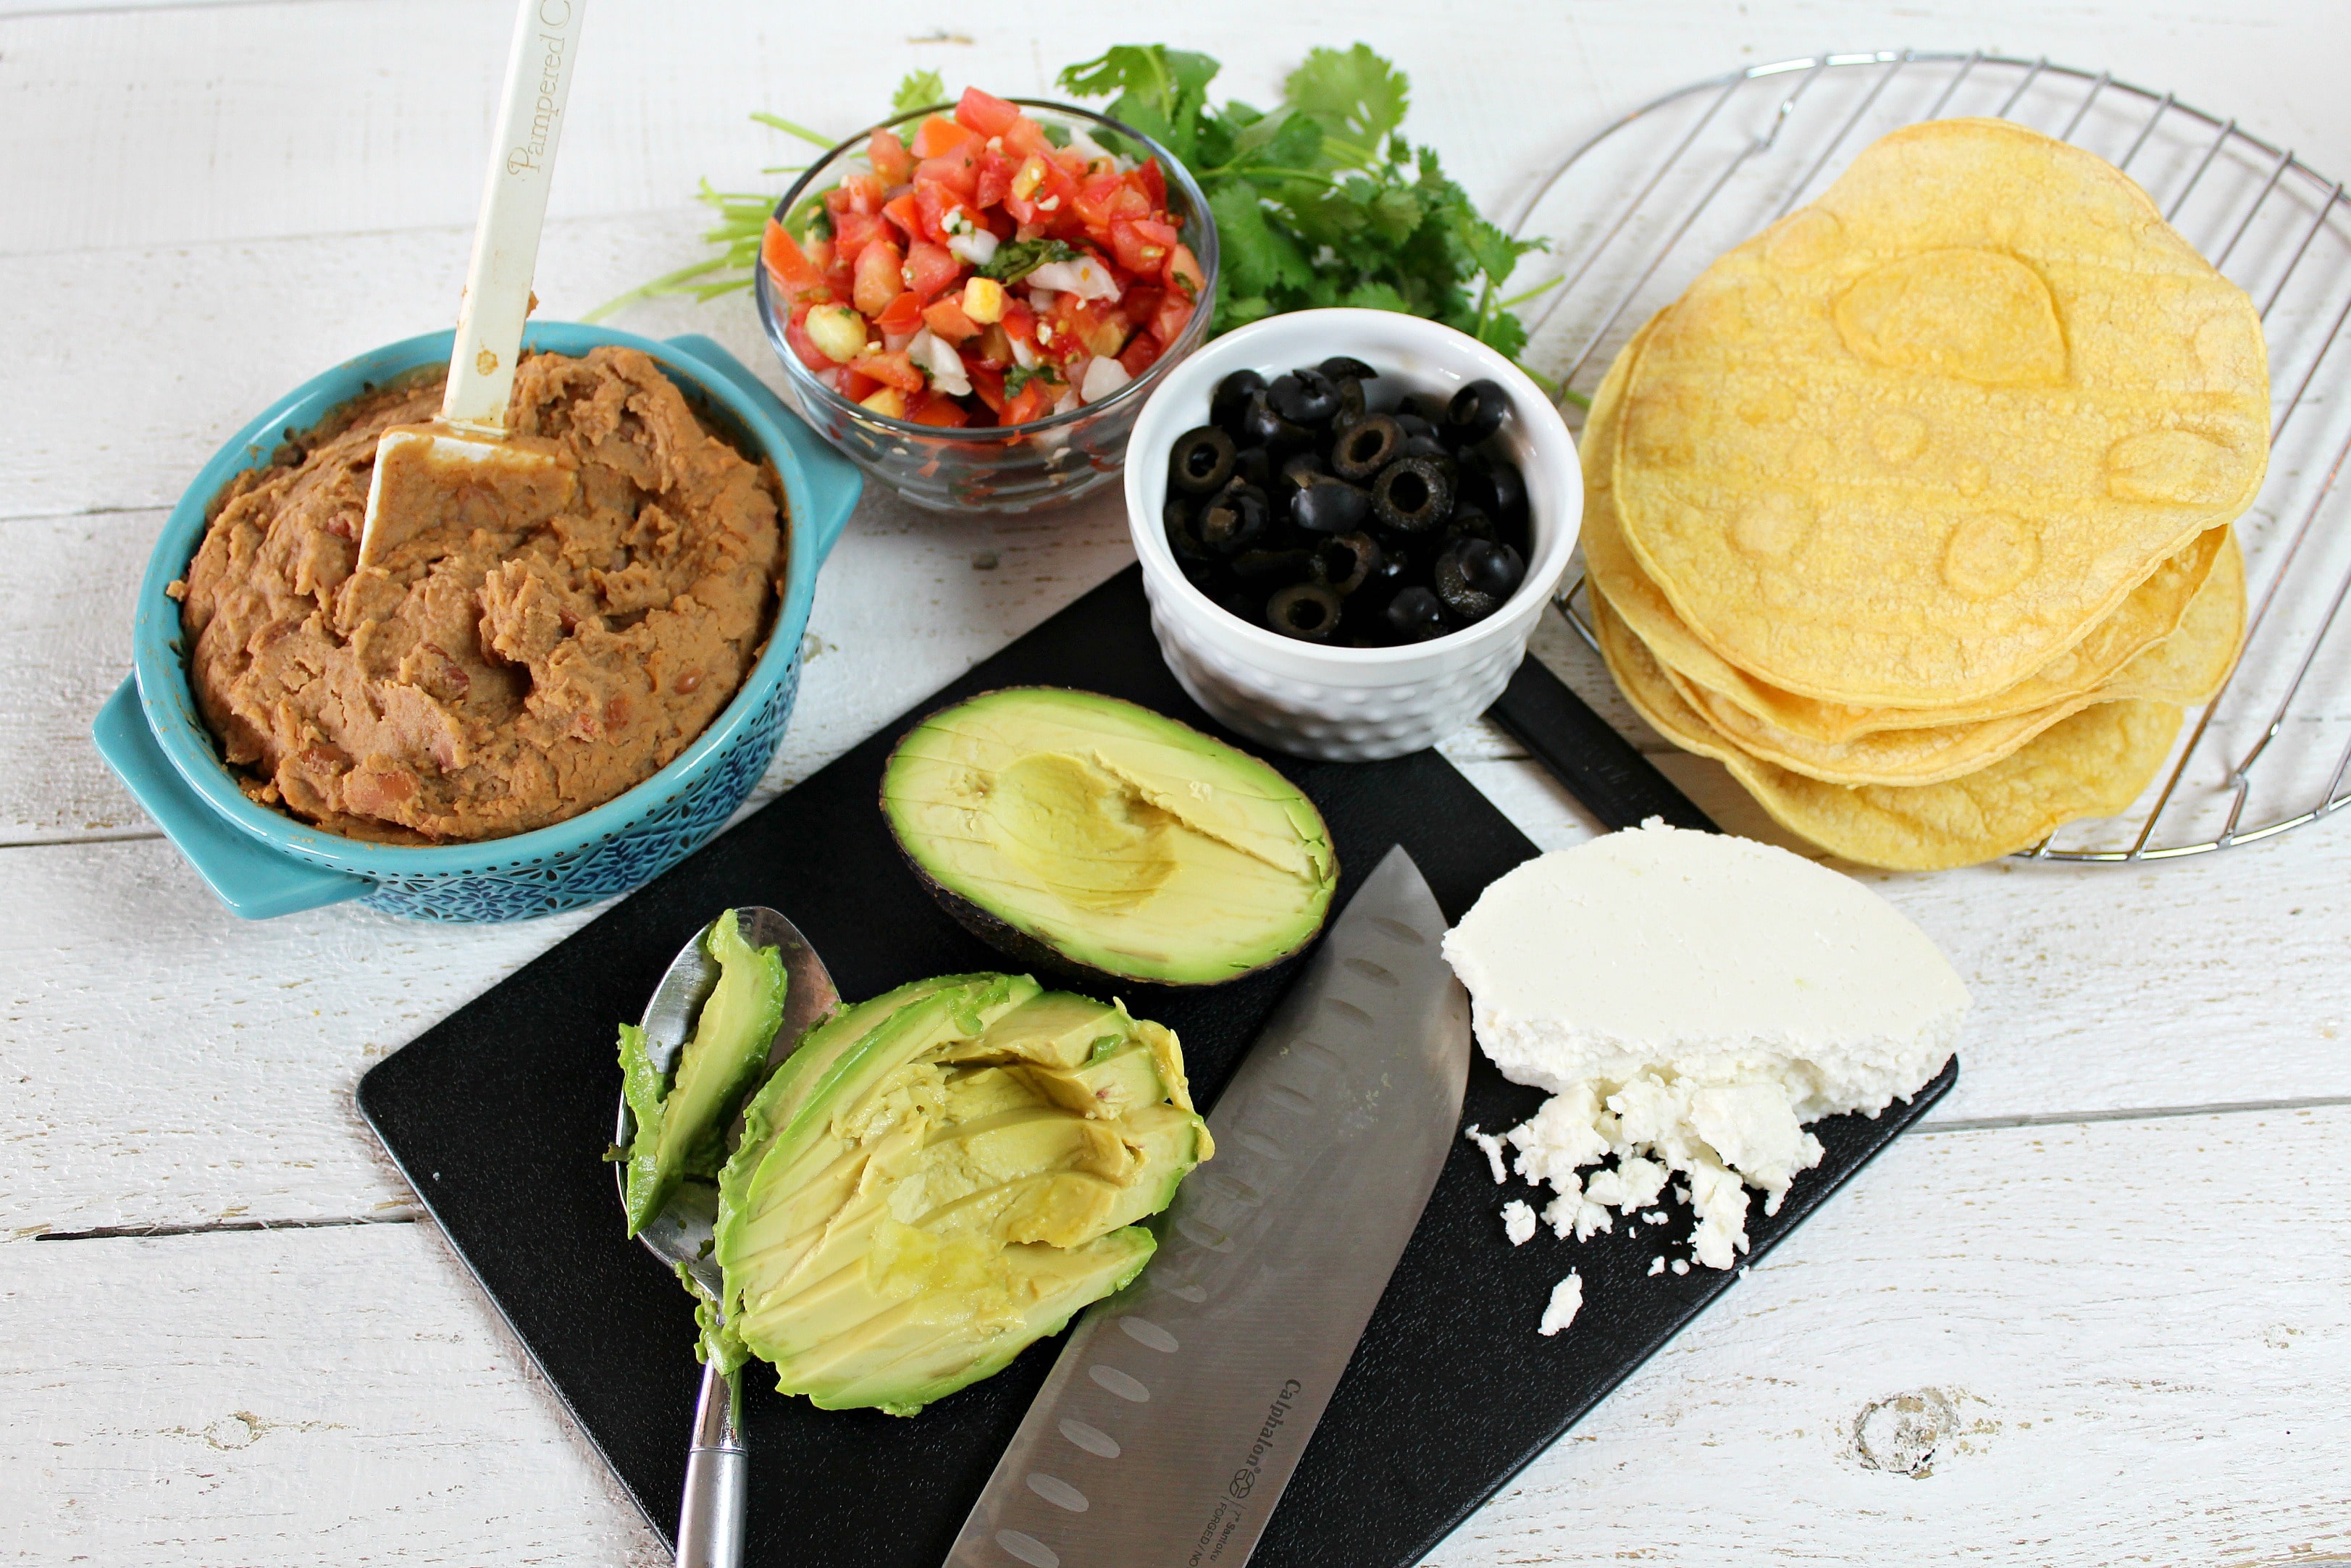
1599,767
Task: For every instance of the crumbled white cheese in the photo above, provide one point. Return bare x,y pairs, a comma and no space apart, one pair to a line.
1656,1265
1566,1300
1681,1266
1655,1217
1493,1145
1518,1221
1691,1001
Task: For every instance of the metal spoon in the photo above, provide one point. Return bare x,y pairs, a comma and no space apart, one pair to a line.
717,1466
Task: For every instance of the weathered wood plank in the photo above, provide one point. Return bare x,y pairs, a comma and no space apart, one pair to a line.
2111,1338
2076,1345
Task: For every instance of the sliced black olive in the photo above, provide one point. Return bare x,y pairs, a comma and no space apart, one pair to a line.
1475,413
1428,410
1200,461
1268,568
1474,576
1329,507
1304,397
1304,610
1232,400
1238,599
1412,495
1342,365
1254,465
1352,404
1496,487
1261,426
1366,447
1415,616
1201,575
1183,534
1469,522
1431,448
1345,563
1232,522
1302,468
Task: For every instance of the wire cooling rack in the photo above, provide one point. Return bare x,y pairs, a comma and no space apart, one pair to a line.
1635,212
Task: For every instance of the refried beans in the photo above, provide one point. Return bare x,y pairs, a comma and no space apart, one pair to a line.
522,657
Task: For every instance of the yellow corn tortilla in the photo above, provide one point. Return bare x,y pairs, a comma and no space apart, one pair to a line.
1912,443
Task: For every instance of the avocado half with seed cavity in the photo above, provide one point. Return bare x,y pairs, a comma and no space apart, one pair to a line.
940,1177
1085,834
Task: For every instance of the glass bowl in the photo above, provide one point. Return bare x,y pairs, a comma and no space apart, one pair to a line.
993,468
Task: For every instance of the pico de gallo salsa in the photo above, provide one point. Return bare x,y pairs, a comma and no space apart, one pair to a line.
984,272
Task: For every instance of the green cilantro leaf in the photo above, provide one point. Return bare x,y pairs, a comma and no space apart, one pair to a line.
1019,376
1354,96
1016,260
920,89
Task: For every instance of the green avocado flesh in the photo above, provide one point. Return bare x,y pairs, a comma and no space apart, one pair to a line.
681,1124
940,1177
1085,832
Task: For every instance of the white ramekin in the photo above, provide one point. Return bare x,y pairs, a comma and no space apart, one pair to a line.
1348,705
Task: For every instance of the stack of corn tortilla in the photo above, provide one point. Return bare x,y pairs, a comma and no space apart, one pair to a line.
1915,510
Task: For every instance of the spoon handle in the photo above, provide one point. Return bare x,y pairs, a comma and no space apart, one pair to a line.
513,206
717,1479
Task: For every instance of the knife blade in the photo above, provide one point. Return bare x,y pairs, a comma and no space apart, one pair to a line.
1169,1427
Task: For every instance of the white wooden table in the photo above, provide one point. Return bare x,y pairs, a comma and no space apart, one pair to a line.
2097,1311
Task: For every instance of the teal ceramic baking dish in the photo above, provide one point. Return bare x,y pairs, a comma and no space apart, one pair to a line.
261,864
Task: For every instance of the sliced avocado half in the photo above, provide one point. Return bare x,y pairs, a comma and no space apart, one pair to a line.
1082,833
938,1177
682,1116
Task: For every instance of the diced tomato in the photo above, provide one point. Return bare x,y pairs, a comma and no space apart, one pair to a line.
1043,192
938,409
857,388
1183,275
814,358
878,278
891,162
1094,196
931,269
1025,136
904,212
787,263
1092,326
1141,354
856,194
902,316
988,383
994,177
853,232
1174,312
958,170
940,208
892,370
985,114
1033,401
945,318
1152,180
939,134
1141,245
1140,303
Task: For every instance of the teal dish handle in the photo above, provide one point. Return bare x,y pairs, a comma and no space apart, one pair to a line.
253,879
834,482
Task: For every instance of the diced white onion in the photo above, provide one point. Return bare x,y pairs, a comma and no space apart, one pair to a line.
978,247
938,356
1086,147
1022,354
894,341
1103,376
1085,277
1067,401
1040,300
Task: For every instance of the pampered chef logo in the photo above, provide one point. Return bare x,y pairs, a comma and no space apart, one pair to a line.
532,154
1244,1480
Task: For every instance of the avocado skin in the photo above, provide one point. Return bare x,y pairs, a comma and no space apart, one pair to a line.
1031,951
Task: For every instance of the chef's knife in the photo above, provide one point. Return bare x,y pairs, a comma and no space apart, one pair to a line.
1178,1409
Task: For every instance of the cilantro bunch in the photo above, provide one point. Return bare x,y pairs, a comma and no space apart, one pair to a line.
1320,200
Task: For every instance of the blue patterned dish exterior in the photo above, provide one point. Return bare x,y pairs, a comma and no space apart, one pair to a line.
261,864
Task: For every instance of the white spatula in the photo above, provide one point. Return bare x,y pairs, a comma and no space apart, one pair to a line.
420,468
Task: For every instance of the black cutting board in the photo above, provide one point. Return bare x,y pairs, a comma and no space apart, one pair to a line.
500,1113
